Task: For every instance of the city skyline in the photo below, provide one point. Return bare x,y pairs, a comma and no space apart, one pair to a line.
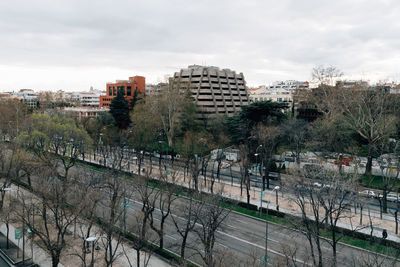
71,45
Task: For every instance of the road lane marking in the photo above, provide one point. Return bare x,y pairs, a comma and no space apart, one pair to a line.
237,238
170,236
262,247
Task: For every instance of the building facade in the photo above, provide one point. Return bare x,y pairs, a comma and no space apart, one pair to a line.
127,86
214,90
83,112
281,92
29,97
86,99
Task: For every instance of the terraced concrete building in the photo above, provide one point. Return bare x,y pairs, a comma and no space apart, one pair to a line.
215,91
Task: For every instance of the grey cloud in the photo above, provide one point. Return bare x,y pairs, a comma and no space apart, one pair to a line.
267,40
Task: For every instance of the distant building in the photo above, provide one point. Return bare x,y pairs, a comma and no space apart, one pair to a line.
281,92
154,89
29,97
395,89
83,112
127,86
86,99
215,90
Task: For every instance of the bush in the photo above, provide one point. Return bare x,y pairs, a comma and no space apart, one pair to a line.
272,212
248,206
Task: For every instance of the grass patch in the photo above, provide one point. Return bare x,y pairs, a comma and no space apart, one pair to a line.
377,182
90,166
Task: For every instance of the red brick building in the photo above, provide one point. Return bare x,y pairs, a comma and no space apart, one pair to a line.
128,86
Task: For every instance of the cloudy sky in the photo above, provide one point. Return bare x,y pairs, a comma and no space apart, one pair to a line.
75,44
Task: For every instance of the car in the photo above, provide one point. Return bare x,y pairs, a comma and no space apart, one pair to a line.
225,165
316,184
390,197
368,193
274,176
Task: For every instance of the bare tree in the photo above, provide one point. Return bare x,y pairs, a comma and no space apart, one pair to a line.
166,197
370,112
267,137
244,171
325,75
209,218
113,209
335,199
307,199
186,220
48,214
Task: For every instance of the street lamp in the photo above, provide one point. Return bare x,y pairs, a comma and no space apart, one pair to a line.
159,159
261,167
91,239
265,259
276,189
3,192
256,155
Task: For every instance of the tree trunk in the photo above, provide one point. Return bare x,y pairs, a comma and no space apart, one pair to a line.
138,257
385,208
183,245
8,235
55,259
368,168
248,190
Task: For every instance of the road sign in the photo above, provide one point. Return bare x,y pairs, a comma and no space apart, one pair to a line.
262,194
125,204
18,233
265,259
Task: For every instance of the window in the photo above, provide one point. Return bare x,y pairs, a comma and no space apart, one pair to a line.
114,91
109,90
128,90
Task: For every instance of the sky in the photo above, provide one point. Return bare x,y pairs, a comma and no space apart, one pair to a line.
76,44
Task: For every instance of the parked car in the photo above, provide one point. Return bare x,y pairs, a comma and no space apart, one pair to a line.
274,176
225,165
391,197
367,193
316,184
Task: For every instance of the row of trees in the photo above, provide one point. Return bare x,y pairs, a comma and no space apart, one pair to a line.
66,198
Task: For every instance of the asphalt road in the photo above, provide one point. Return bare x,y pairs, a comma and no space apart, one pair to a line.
243,237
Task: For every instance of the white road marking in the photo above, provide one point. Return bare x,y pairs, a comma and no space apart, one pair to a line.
242,240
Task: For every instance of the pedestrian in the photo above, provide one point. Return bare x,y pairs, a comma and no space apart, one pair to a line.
384,234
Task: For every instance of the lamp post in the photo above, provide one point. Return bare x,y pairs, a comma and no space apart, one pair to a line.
91,239
256,155
4,191
276,189
261,167
265,259
159,159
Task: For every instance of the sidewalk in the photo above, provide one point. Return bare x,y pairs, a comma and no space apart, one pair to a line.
40,256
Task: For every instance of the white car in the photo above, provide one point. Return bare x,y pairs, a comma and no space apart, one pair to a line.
390,197
316,184
225,165
368,193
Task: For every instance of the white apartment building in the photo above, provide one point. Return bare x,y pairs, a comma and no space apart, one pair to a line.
281,91
29,97
86,99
